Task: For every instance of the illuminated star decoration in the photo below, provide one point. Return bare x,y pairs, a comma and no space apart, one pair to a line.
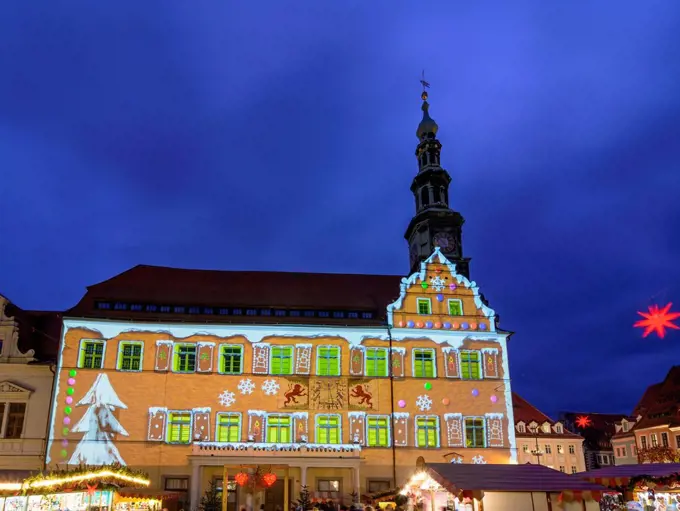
583,421
657,320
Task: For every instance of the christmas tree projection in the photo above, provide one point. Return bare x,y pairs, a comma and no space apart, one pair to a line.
99,425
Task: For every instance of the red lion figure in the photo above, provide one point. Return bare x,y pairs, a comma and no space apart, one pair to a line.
364,396
297,391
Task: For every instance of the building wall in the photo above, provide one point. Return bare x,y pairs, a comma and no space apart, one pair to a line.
143,400
25,394
566,462
449,398
625,451
658,436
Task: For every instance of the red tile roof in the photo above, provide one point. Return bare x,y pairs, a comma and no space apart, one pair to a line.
660,404
287,290
526,412
509,478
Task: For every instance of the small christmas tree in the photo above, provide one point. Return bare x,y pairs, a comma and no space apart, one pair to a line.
96,447
212,498
304,502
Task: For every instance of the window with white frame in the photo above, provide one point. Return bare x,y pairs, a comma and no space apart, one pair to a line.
130,354
13,404
560,449
427,431
228,427
521,428
424,306
655,440
548,449
546,427
91,354
572,449
328,429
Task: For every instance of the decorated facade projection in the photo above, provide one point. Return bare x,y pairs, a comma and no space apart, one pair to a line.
252,390
338,382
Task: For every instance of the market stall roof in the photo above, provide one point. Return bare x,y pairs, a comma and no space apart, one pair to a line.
622,475
508,478
647,469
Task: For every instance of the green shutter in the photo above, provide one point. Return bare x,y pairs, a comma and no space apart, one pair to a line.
376,362
328,361
423,363
282,360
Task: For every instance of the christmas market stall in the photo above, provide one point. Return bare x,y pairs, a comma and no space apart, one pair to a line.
486,487
111,488
655,485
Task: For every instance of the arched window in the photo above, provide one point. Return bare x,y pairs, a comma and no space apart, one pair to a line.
424,197
437,197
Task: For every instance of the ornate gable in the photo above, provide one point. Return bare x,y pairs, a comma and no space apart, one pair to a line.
12,392
439,298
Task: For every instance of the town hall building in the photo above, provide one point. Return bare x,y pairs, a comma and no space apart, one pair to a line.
276,381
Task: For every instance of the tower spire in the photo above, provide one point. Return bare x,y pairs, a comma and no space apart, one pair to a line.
435,223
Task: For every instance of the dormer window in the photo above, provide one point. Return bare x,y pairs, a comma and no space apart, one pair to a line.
521,427
546,427
624,425
533,427
558,429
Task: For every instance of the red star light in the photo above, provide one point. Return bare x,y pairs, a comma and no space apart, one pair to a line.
583,421
657,320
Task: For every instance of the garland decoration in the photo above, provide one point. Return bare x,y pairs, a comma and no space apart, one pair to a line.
641,481
84,478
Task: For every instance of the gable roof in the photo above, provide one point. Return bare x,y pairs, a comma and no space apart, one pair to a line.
420,276
520,478
162,285
525,412
660,404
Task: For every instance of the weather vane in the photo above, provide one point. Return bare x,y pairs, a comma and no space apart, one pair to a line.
425,85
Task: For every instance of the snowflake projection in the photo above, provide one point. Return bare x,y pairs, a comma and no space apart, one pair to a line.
227,398
657,320
424,403
478,460
438,283
270,387
246,386
583,421
457,461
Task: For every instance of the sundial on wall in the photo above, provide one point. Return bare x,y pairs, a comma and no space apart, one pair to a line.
328,394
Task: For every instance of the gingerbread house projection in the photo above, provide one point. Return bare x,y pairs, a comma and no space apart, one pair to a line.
337,382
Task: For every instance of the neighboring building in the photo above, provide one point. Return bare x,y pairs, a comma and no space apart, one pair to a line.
623,442
338,382
597,435
543,441
28,347
655,435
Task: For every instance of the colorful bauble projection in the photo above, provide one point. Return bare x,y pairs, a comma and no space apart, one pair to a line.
657,320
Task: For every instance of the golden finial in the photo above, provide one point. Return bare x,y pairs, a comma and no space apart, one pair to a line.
425,85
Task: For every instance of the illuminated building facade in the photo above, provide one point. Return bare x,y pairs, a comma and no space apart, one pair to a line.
335,382
28,347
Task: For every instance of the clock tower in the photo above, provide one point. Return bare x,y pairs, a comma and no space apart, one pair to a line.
434,223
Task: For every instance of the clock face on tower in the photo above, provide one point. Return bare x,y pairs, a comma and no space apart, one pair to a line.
446,241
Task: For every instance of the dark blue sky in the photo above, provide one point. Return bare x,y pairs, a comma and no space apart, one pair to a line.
281,135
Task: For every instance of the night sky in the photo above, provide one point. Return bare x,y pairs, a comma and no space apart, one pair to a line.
281,135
